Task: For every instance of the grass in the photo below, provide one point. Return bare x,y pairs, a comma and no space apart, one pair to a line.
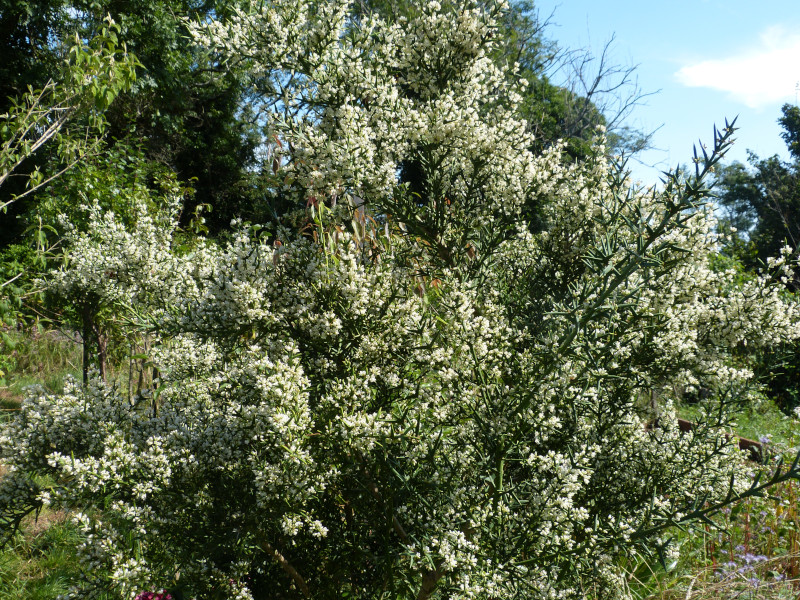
707,584
40,561
754,550
757,420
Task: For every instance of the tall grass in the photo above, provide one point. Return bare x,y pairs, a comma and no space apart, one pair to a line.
35,356
752,552
40,561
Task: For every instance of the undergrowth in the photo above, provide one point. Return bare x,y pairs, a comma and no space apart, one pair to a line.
39,563
35,356
752,551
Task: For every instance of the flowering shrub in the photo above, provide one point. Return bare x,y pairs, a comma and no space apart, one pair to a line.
415,394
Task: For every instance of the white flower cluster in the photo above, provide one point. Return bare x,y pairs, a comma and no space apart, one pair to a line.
356,105
416,403
129,265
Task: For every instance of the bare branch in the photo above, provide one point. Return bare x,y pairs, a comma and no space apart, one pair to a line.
597,88
288,568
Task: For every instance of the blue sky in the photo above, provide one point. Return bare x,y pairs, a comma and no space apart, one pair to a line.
710,59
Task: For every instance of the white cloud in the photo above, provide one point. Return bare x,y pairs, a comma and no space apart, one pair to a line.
764,75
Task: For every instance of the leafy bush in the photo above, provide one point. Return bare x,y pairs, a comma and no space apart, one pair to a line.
413,394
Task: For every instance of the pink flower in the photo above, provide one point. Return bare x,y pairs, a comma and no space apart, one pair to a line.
162,595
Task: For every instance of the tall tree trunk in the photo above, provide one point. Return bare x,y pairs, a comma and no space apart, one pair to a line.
102,351
86,336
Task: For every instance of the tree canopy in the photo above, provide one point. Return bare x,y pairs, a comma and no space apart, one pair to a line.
763,201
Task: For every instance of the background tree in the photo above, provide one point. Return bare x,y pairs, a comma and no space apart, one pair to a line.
34,44
185,114
790,121
28,30
44,134
203,119
762,202
62,110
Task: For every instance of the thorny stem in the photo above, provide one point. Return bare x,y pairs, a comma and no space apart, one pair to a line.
793,472
430,577
396,525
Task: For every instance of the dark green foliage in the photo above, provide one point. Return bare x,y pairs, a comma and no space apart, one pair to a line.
54,125
777,206
184,112
783,378
763,203
182,116
27,32
114,179
790,121
14,260
556,113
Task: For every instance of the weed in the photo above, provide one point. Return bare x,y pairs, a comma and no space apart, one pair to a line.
40,562
752,553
